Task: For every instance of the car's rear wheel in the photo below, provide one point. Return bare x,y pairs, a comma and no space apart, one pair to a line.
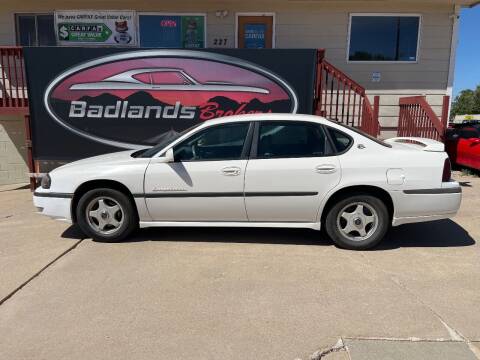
357,222
106,215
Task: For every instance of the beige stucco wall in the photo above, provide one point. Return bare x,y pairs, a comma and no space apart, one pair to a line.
13,166
307,24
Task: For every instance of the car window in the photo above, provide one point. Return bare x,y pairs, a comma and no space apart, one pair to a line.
291,139
169,78
146,153
360,132
468,133
341,141
143,77
221,142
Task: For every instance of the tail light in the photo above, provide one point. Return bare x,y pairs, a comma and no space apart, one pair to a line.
447,171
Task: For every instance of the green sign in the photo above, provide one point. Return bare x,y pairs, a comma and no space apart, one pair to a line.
83,32
193,31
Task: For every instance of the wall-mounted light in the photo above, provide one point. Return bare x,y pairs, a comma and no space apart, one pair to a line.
221,13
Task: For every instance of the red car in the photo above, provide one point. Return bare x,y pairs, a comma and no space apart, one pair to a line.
463,145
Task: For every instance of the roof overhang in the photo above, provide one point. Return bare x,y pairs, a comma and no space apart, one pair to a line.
462,3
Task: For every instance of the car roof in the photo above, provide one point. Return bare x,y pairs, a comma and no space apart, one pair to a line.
269,117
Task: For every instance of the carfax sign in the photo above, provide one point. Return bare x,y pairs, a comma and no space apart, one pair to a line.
79,27
98,100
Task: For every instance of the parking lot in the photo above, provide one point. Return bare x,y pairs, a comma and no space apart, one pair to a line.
238,293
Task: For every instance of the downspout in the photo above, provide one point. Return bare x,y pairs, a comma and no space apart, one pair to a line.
453,50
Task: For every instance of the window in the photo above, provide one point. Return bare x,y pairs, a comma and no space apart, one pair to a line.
468,133
360,132
163,78
291,139
221,142
384,37
172,30
169,78
341,141
35,30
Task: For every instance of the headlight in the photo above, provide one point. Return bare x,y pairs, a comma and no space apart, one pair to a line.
46,182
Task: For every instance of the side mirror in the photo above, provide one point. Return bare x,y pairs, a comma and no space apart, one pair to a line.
166,158
169,156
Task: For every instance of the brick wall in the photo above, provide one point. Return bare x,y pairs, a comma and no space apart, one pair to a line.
13,165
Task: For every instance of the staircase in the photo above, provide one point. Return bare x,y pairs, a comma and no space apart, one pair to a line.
340,98
416,118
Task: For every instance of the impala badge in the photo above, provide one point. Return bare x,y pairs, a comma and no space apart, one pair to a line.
167,189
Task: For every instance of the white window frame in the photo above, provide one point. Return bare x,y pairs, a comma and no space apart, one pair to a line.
419,36
272,14
16,24
139,35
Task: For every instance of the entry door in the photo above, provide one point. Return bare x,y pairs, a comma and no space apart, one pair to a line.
291,172
255,32
206,181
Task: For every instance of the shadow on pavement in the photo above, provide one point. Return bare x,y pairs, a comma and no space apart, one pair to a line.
19,187
443,233
73,232
232,235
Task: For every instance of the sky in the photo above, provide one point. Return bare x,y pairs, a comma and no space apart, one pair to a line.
467,66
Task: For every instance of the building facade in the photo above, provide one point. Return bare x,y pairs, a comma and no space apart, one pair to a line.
392,48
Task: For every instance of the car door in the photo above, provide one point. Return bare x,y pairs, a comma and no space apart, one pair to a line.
206,180
468,147
290,170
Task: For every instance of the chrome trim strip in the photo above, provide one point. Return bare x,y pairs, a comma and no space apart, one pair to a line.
453,190
281,193
53,195
226,194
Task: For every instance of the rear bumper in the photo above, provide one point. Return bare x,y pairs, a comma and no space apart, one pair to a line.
419,205
54,205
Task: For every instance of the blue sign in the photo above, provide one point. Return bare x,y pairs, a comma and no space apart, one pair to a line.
160,31
255,36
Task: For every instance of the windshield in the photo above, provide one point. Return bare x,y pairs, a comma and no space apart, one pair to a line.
146,153
378,141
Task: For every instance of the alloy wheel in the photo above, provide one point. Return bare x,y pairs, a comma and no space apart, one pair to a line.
357,221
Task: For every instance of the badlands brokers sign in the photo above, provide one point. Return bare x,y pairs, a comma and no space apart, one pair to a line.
112,99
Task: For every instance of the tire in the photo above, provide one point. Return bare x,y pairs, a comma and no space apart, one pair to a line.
112,216
357,222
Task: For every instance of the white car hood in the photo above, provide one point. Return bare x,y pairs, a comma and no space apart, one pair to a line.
111,158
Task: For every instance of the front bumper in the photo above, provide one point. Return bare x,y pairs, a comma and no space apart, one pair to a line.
421,205
54,205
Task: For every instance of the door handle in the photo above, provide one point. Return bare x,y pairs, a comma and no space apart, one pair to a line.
326,169
231,171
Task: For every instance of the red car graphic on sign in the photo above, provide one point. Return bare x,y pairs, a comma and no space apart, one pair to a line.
163,79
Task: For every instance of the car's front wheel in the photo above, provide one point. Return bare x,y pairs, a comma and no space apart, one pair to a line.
357,222
106,215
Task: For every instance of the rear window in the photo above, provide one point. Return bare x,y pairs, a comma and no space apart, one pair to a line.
468,133
378,141
341,141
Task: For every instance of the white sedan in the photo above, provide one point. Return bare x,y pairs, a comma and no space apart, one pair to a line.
263,170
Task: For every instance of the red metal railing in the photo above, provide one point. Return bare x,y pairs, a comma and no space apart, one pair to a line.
13,84
339,98
369,122
416,118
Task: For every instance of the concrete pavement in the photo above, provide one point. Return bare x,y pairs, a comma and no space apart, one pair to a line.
238,293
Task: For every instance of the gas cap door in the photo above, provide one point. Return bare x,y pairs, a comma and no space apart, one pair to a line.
395,176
